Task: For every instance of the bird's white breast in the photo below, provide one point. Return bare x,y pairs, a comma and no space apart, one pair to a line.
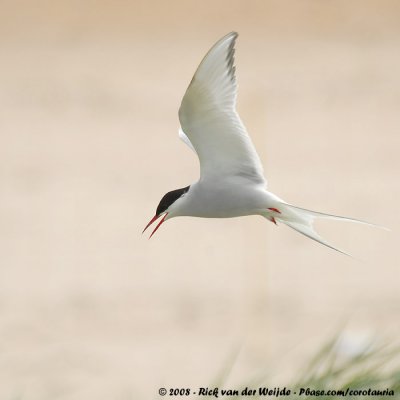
222,199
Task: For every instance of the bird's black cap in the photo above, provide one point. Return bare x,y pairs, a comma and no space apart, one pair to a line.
170,198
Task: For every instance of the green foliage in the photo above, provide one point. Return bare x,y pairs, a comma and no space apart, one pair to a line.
375,367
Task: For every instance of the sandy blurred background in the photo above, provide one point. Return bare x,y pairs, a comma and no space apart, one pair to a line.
89,308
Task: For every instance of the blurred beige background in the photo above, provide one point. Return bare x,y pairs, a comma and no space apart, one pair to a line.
89,308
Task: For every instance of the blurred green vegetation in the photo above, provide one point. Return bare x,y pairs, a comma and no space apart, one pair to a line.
375,366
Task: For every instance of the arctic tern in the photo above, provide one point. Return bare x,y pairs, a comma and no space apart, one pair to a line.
231,182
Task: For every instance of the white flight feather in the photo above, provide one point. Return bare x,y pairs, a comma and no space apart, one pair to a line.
210,122
185,139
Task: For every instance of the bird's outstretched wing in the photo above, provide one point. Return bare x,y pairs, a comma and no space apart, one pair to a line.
209,119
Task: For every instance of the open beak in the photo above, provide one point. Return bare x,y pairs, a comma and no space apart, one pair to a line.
155,218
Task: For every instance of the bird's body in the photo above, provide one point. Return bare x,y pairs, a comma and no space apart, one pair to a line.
231,182
228,198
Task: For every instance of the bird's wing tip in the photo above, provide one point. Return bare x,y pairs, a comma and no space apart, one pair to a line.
230,36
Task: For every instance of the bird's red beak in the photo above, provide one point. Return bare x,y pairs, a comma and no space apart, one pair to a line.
155,218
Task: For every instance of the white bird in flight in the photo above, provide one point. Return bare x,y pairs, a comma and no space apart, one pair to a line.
232,182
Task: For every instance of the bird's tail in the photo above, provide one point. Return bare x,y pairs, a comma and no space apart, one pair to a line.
302,221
